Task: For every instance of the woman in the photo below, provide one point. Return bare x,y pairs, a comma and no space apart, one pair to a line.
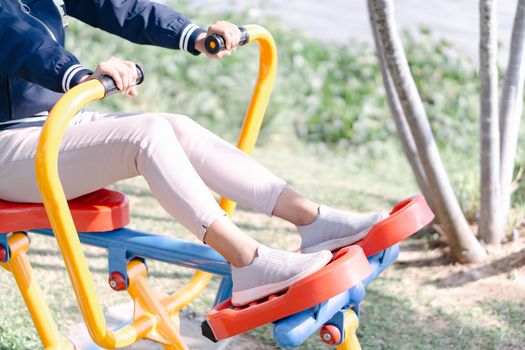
178,158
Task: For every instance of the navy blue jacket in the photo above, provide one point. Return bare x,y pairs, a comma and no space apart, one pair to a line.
35,68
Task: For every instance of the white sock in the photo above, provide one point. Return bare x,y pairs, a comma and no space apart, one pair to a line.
334,228
272,271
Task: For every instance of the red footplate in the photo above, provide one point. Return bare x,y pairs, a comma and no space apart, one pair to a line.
407,217
348,267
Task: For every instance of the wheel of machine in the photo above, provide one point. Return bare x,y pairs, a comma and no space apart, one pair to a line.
117,281
3,253
330,334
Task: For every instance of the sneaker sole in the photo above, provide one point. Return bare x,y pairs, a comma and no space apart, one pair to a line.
247,296
336,243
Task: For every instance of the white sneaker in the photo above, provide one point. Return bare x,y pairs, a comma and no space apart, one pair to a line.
272,271
334,229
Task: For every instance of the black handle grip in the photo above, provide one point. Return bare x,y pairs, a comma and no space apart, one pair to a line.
111,88
215,43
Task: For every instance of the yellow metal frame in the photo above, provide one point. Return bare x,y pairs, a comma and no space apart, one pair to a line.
155,317
20,267
351,324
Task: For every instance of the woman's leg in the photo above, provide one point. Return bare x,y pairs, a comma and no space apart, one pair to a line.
225,169
237,176
97,154
94,155
230,172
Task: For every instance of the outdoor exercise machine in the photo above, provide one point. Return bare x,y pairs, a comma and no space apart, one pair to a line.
328,299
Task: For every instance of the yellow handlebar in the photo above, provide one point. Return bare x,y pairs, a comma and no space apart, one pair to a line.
59,214
260,96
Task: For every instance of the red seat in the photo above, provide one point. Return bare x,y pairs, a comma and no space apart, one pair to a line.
102,210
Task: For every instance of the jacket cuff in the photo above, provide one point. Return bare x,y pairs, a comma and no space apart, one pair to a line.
189,37
72,73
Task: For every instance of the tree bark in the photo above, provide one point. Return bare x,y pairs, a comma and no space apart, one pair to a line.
403,130
511,107
464,246
489,227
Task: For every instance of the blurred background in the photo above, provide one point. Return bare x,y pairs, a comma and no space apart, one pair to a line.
330,134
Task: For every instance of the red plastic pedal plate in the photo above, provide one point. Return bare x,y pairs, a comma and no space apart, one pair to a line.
348,267
99,211
406,218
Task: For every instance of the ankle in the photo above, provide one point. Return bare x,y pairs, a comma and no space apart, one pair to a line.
307,216
244,258
295,208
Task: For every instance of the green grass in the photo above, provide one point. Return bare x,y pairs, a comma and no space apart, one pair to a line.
362,170
397,313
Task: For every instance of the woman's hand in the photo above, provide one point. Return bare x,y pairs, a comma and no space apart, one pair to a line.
124,73
229,31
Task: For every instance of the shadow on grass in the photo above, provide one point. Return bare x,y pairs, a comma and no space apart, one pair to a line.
441,260
51,252
503,265
420,245
136,215
243,225
413,245
132,190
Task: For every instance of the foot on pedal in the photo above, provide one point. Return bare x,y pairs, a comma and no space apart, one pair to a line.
272,271
334,229
348,267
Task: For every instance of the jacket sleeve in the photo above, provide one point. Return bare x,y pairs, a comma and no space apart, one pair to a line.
32,55
139,21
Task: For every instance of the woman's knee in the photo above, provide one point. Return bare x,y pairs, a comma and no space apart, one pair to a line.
183,126
152,129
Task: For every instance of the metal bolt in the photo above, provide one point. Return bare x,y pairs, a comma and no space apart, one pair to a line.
3,254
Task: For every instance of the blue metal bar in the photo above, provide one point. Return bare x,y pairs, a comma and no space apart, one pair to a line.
225,290
161,248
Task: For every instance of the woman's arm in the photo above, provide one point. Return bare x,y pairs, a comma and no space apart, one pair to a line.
29,54
139,21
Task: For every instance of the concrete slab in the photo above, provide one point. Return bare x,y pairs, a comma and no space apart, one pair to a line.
340,20
190,329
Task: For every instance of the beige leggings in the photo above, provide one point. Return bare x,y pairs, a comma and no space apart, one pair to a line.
178,158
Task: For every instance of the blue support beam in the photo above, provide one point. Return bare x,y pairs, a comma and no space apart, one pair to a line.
156,247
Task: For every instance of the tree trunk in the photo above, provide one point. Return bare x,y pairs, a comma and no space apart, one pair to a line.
464,246
403,130
511,107
489,228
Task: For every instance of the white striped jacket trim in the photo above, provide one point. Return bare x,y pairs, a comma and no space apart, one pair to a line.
185,36
70,73
25,120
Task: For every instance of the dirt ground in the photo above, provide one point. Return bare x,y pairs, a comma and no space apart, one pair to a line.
500,277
